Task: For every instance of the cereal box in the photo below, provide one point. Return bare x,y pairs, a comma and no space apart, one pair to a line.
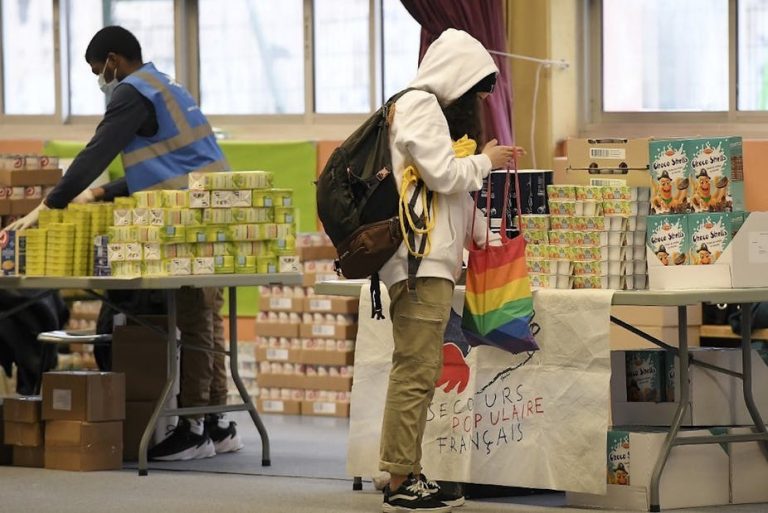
668,238
8,253
669,377
710,233
645,376
618,458
717,174
670,168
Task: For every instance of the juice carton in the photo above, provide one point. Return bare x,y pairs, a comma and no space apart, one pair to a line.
668,238
618,458
645,376
670,170
710,234
717,174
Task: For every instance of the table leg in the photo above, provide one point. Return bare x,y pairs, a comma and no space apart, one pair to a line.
265,457
170,301
682,328
746,359
357,483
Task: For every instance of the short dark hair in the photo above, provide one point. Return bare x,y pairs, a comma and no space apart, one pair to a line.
113,39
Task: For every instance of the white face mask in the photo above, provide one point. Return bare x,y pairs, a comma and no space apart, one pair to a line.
107,87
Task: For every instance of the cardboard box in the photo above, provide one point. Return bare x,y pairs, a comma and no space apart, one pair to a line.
665,316
75,445
24,434
23,408
669,167
715,398
28,456
137,414
281,304
276,329
695,475
328,304
281,380
742,263
246,328
325,408
309,253
271,354
22,177
83,395
608,159
323,357
6,451
141,354
334,331
23,206
284,406
716,174
749,470
622,339
335,383
309,279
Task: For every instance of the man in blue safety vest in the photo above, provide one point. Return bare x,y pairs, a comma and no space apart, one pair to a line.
162,135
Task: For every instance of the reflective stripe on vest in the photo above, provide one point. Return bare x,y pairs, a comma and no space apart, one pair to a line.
184,141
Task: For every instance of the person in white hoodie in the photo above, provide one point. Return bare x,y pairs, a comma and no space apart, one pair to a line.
455,65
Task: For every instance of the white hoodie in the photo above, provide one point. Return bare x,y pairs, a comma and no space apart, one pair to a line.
419,136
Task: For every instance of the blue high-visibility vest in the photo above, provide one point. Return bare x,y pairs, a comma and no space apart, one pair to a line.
184,141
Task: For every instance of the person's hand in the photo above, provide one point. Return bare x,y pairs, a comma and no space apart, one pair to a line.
501,156
87,196
28,220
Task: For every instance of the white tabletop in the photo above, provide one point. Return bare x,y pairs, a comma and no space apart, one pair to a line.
160,282
620,297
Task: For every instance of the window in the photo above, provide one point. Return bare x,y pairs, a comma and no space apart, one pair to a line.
252,57
665,56
753,55
402,40
245,57
342,56
151,21
27,46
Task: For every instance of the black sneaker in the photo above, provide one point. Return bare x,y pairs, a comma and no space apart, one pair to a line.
225,439
412,495
183,444
451,495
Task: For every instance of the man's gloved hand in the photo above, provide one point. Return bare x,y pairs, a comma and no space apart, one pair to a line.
28,220
86,196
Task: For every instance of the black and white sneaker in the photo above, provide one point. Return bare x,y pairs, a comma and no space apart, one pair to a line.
183,443
223,434
412,495
450,495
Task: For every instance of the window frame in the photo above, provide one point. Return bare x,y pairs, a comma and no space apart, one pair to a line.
187,70
595,121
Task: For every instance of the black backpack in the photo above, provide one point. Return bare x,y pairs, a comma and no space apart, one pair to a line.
357,201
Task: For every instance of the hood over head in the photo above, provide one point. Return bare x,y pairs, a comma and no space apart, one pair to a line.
452,65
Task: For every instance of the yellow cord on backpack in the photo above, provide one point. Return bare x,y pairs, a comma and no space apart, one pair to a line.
462,148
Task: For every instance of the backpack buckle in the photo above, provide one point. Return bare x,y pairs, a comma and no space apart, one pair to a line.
382,174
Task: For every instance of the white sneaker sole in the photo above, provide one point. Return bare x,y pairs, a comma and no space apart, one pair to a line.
388,508
229,444
455,503
193,453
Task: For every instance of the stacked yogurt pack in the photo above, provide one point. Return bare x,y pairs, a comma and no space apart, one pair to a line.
593,237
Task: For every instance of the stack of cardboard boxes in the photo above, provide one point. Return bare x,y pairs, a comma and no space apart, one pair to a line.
24,430
84,414
24,181
305,344
658,321
140,354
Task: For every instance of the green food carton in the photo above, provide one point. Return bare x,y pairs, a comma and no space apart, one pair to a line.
717,174
670,169
668,238
618,458
710,234
645,376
